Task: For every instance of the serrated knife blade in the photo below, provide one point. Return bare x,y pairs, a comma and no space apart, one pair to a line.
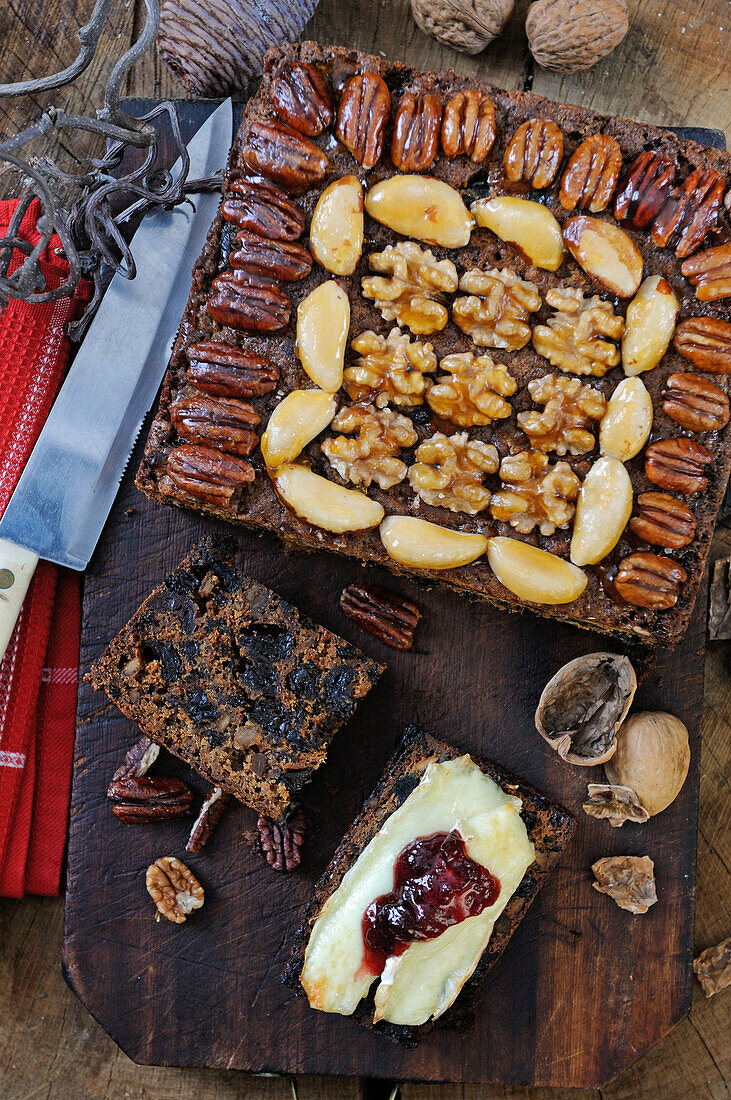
67,488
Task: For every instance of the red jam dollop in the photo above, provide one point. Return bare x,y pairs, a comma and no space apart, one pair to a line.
435,885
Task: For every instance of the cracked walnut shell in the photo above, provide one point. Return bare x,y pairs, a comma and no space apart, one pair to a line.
629,880
577,337
565,422
410,286
174,889
390,368
368,448
534,494
474,390
615,804
496,312
652,757
449,472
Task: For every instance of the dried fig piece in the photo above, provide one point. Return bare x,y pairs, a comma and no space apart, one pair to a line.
584,704
615,804
629,880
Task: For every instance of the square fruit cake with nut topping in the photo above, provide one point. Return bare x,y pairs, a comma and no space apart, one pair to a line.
466,333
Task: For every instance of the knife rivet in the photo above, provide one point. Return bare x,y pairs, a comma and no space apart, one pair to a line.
7,578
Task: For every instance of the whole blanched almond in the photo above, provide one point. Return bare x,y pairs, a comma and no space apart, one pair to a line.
421,207
534,575
528,225
295,422
423,545
606,253
336,230
650,325
323,503
602,511
627,423
323,320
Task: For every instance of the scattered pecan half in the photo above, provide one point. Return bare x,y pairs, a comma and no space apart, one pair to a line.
260,206
663,520
221,422
303,98
226,370
415,141
649,580
285,260
591,175
712,968
281,841
534,153
690,212
387,615
695,403
174,889
211,813
644,189
363,113
710,273
142,800
140,757
468,127
678,464
207,474
566,420
706,343
629,880
284,155
248,302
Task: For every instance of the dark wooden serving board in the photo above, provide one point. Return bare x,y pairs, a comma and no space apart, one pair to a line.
583,990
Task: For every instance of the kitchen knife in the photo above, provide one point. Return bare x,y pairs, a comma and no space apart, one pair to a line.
65,492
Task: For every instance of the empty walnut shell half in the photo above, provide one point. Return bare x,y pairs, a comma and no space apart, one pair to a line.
584,704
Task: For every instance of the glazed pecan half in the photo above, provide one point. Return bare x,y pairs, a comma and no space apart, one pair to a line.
468,126
678,464
386,615
706,343
207,474
260,206
221,422
285,260
303,98
284,155
695,403
591,174
534,154
226,370
644,189
649,580
415,141
710,273
663,520
364,109
690,212
144,752
249,302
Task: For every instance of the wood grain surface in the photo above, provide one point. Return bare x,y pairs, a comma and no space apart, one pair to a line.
672,69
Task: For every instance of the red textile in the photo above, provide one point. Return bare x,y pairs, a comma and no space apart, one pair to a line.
36,716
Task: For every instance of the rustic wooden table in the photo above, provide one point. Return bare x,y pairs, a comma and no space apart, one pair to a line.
673,69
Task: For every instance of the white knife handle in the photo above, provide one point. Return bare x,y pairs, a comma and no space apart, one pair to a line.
17,566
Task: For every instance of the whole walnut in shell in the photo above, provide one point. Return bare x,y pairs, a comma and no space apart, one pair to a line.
468,25
652,757
568,36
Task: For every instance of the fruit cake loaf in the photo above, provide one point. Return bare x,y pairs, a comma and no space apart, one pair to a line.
521,353
425,890
233,679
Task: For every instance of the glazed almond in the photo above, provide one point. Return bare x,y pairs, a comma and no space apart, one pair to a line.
602,511
421,207
422,545
650,325
297,420
606,253
336,230
323,503
627,423
528,225
534,575
323,320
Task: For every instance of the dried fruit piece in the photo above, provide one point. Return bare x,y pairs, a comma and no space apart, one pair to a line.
603,509
416,126
220,422
591,174
627,423
648,580
411,286
303,98
323,503
606,253
564,425
449,472
534,153
690,212
144,752
323,320
226,370
652,757
421,207
495,315
474,390
212,810
143,800
583,705
649,325
365,106
615,804
644,189
706,343
390,368
710,273
286,260
260,206
386,615
468,127
629,880
281,841
663,521
336,229
248,302
423,545
211,476
576,337
284,155
527,225
570,35
534,575
678,464
534,493
174,889
695,403
294,423
370,455
713,968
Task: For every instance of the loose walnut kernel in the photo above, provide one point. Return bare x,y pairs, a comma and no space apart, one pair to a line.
569,410
410,286
391,368
535,494
576,338
496,312
449,472
370,454
474,390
